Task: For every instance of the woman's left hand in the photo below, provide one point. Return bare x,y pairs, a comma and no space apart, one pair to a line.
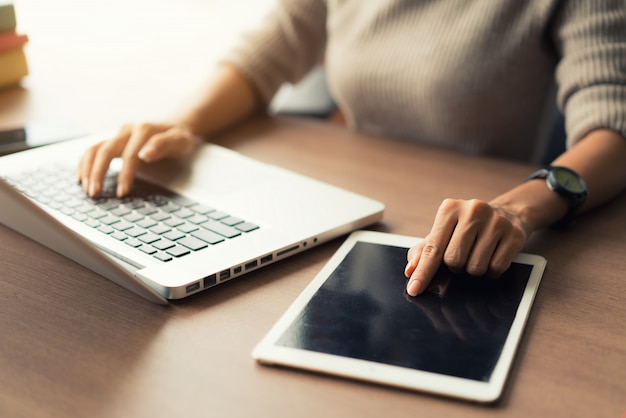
475,236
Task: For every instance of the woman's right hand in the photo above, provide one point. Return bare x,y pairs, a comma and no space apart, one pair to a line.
136,143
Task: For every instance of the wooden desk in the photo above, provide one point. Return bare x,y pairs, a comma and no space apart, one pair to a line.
73,344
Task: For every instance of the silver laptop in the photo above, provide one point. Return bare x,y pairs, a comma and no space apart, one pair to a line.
186,226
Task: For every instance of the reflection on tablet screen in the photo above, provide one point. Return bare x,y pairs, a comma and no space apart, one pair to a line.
362,311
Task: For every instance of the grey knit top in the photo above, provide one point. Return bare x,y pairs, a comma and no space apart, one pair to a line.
481,76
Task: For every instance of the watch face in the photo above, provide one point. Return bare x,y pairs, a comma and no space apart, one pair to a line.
568,180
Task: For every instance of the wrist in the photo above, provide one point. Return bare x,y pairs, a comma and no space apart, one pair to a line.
565,183
533,204
186,124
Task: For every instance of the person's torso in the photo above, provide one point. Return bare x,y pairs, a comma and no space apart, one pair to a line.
474,75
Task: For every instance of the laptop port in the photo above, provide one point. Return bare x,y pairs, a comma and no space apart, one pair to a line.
193,287
287,250
210,280
224,275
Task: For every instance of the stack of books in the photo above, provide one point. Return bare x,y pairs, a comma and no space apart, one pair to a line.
12,58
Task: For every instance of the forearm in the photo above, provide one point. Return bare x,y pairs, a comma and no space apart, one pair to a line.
228,99
600,158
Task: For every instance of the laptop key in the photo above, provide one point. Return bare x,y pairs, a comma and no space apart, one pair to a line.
246,227
135,231
133,242
109,219
221,229
106,229
174,235
120,236
122,225
81,217
148,249
170,207
187,227
231,221
134,217
197,219
162,256
121,210
147,210
178,251
192,243
184,213
147,223
174,222
149,237
208,236
218,214
201,209
163,244
92,223
160,229
183,201
160,216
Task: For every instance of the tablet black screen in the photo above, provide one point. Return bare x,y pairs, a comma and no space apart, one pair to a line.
458,327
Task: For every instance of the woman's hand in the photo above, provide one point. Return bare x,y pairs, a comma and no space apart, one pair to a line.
146,142
478,237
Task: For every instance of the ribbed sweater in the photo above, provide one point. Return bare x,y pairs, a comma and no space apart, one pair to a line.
480,76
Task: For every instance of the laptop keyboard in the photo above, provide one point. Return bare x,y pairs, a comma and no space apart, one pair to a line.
152,219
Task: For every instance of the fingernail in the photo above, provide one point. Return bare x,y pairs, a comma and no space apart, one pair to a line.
413,288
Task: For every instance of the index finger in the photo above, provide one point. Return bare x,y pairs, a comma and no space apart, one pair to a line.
95,161
431,255
139,135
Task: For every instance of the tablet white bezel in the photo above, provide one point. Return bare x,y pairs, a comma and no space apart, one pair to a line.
268,352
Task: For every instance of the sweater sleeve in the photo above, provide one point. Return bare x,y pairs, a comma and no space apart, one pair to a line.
591,38
288,43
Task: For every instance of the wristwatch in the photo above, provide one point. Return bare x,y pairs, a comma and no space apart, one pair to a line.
567,183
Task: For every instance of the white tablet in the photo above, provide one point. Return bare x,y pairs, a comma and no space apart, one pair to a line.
356,320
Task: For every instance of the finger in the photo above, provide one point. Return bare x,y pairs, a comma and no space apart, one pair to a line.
157,147
482,253
434,247
412,257
474,218
94,163
139,135
104,154
505,252
460,246
495,247
174,142
491,229
84,167
428,263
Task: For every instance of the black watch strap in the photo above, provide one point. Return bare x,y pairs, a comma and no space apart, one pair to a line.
576,194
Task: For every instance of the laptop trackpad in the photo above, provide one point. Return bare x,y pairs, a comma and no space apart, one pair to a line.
216,171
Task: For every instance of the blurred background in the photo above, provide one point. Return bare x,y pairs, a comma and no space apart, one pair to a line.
95,64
